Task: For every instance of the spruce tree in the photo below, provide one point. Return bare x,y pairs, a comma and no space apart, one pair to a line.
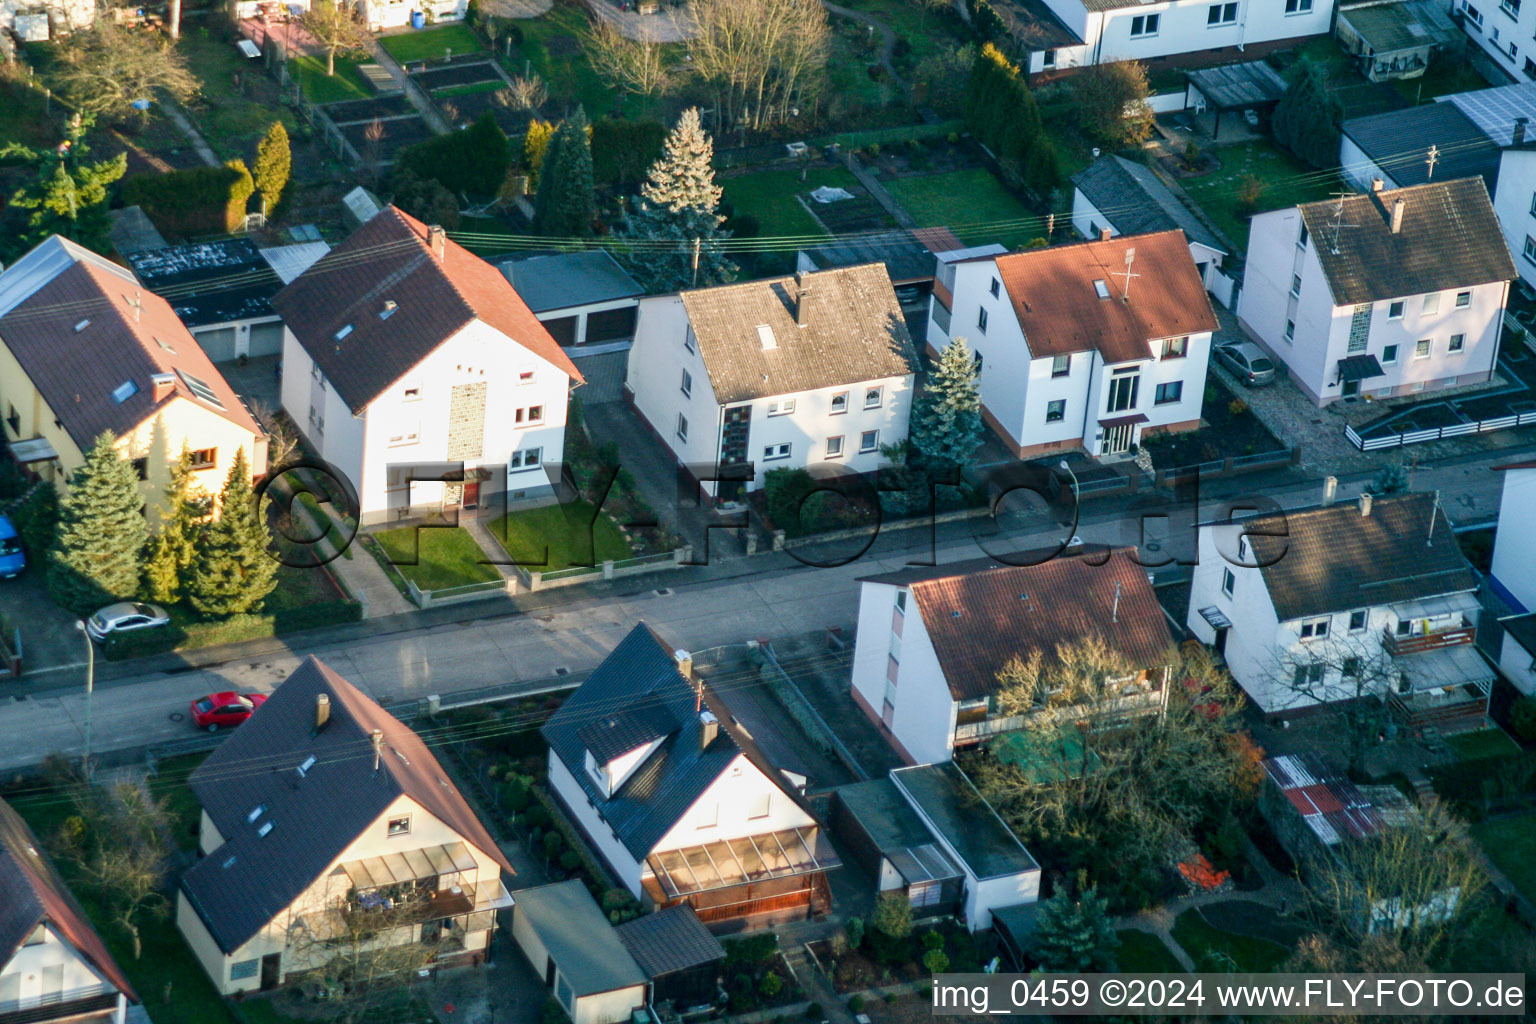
567,201
274,165
677,215
946,425
234,571
68,196
98,553
1075,935
173,549
1306,120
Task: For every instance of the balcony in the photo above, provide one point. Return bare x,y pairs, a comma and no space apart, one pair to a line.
1416,643
61,1009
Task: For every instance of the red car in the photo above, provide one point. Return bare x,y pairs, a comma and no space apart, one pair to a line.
222,710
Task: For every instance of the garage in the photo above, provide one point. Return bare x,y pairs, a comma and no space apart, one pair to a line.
267,339
604,372
219,343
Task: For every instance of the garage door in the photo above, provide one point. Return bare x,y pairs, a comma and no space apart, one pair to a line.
605,375
266,340
219,343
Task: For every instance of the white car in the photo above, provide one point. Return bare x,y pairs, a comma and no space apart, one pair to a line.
125,617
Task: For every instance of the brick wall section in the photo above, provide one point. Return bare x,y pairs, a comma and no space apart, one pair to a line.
466,422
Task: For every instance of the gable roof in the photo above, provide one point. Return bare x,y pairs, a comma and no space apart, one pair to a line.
1450,238
855,332
210,282
1397,140
1333,559
669,940
314,815
578,937
390,259
32,892
981,613
70,319
1137,201
638,691
1053,294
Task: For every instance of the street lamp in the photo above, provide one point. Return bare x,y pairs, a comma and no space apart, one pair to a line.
1067,466
90,689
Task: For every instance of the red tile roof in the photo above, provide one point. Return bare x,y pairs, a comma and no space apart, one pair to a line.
390,259
1054,295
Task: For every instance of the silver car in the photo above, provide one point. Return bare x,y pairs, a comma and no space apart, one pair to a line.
1248,363
125,617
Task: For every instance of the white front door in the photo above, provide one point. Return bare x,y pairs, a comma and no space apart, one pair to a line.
1117,440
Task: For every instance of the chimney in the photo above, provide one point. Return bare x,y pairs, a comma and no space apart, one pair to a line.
1520,123
1397,215
709,728
1330,490
378,747
802,293
684,663
435,237
1365,503
164,384
1105,234
322,710
1377,184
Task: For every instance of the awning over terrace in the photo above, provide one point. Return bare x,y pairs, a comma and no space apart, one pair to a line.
410,866
719,865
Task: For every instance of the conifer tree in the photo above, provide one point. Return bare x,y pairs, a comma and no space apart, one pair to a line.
677,217
946,425
274,165
99,549
535,146
1075,935
1306,120
173,549
67,197
234,571
567,201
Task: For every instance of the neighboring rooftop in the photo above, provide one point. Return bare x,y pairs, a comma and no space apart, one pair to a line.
132,230
210,282
1409,25
1334,559
550,281
1495,111
886,815
1522,629
317,788
1035,25
1251,83
1332,806
1077,298
669,940
907,255
1398,142
980,614
753,347
578,937
289,261
1449,239
1136,201
962,817
333,307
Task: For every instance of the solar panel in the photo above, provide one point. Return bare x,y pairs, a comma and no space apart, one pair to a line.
200,388
1494,110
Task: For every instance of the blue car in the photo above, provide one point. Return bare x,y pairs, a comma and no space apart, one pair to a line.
12,558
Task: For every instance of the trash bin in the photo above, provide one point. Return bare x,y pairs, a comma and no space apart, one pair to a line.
418,19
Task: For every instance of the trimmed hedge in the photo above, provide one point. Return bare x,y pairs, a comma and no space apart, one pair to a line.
474,160
1486,785
191,203
622,151
235,629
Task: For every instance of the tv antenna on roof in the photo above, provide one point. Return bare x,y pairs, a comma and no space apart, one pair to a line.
1130,258
1432,157
1336,222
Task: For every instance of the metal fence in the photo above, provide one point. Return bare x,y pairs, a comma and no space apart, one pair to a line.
1232,465
1407,437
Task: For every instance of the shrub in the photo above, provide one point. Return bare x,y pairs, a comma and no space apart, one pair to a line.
623,150
1522,719
515,795
784,492
570,860
537,816
199,201
933,939
553,1013
856,1004
1236,407
474,160
37,521
770,986
855,930
1250,191
812,1011
757,950
554,842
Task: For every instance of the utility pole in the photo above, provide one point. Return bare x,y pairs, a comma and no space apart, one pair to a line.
696,244
90,689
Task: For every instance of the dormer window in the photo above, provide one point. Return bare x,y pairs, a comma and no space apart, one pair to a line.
610,775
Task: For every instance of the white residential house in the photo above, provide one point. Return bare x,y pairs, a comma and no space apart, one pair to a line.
1514,201
1344,601
1512,576
814,369
1091,345
53,965
383,14
1517,652
1393,292
679,802
931,641
412,366
1503,31
351,814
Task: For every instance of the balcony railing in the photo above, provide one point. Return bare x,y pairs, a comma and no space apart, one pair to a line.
62,1009
1416,643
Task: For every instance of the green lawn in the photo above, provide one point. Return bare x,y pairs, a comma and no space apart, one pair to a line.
968,203
563,531
345,84
551,48
1143,953
1472,746
1249,954
23,117
170,783
1285,183
231,116
1511,844
454,39
436,558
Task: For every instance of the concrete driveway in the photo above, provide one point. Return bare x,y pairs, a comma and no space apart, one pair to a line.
51,645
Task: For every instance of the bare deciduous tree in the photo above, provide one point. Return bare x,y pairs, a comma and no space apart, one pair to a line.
337,30
106,69
1348,672
523,94
759,57
629,65
118,842
282,439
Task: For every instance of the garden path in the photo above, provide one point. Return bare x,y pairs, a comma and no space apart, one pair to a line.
364,578
200,144
887,36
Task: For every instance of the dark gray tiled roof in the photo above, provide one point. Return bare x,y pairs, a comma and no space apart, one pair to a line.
250,879
1136,201
855,333
905,255
578,937
1334,559
550,281
1397,141
1035,25
1450,238
670,940
965,820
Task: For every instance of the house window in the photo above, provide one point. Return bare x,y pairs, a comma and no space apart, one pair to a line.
869,441
760,806
1311,674
873,398
839,402
1290,330
1172,391
1056,411
1463,300
783,408
1295,284
528,417
1421,349
242,969
981,321
14,418
1356,621
682,427
1474,16
1350,669
527,458
1301,239
1176,348
1123,391
1048,59
1511,8
205,458
687,384
1514,51
315,374
1529,250
1221,14
1144,25
38,937
400,826
995,287
1530,68
1298,6
835,447
411,394
688,339
1389,354
1458,342
1395,309
404,435
1061,366
901,601
1431,304
1314,629
1228,582
776,451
